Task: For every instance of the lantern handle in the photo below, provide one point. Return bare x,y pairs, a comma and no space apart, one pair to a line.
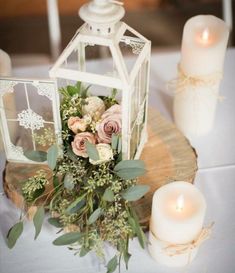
116,2
102,15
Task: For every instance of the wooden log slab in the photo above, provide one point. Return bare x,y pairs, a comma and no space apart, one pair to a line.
168,157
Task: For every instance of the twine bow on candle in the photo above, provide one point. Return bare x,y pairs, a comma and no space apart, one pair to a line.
178,249
183,81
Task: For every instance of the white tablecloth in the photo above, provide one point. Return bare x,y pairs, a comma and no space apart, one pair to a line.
215,178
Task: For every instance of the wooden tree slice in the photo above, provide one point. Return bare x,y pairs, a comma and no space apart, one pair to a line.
167,154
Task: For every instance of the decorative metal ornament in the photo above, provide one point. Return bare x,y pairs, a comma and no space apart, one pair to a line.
102,35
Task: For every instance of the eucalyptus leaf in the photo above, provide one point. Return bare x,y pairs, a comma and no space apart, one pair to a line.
128,174
138,230
108,195
115,141
131,221
71,154
135,192
129,164
84,92
52,155
76,205
78,86
13,234
141,236
119,145
55,182
83,251
112,265
38,193
68,182
127,257
130,169
38,221
67,239
92,151
94,216
55,222
38,156
114,93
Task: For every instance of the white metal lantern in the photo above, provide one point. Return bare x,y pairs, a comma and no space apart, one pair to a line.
104,34
124,66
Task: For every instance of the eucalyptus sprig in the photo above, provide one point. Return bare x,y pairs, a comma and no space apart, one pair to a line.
90,203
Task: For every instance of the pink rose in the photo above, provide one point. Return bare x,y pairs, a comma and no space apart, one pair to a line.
77,124
111,123
78,144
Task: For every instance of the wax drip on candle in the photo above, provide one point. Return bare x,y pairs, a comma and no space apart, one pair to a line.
180,203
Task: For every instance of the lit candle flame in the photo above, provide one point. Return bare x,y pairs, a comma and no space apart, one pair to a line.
205,35
180,203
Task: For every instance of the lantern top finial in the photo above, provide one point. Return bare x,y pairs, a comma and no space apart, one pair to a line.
102,15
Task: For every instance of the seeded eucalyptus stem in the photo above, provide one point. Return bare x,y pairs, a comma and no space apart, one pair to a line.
92,203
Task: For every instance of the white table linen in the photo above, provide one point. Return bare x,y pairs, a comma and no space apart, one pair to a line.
215,178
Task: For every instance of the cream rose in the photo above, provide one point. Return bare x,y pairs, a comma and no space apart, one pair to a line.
94,107
77,124
79,143
111,123
105,154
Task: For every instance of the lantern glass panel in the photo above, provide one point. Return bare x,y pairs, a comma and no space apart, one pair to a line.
134,141
29,117
91,58
131,46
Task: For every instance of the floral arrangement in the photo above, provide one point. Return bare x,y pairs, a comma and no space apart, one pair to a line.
89,189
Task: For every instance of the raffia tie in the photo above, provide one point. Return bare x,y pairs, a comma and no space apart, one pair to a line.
183,81
178,249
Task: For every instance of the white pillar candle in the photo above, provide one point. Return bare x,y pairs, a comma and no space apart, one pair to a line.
178,211
6,70
204,43
5,64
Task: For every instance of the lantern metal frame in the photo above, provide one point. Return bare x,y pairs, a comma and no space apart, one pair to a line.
102,28
125,82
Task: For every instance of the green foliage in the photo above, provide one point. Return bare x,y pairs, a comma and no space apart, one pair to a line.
13,234
52,155
38,221
67,239
68,181
56,182
83,251
34,187
112,264
55,222
90,201
94,216
38,156
130,169
92,151
114,142
108,195
134,222
136,192
77,204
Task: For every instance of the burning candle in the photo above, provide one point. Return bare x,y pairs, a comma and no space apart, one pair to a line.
203,49
178,211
